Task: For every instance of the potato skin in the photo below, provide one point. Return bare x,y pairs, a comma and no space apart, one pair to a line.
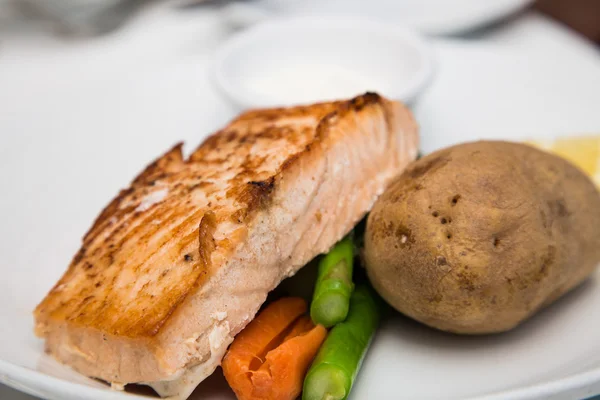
476,238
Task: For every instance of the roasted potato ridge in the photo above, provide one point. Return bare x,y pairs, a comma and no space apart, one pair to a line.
476,238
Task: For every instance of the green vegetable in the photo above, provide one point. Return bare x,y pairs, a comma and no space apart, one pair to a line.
333,372
334,286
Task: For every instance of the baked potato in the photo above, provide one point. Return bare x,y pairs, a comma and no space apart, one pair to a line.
476,238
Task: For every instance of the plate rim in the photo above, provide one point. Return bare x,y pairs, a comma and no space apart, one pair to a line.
563,385
31,381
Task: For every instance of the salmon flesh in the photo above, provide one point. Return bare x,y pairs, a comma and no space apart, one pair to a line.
178,263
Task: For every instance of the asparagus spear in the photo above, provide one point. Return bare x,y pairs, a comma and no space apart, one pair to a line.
334,285
334,369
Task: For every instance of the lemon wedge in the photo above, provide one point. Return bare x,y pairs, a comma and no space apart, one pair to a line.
582,151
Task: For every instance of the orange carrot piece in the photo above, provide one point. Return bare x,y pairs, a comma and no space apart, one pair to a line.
253,342
269,358
283,372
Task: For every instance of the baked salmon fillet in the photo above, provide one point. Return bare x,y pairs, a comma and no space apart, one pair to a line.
178,263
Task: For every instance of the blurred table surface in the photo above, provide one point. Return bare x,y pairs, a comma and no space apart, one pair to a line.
530,31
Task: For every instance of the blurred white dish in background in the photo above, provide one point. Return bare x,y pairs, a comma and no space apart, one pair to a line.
436,17
71,17
301,60
307,82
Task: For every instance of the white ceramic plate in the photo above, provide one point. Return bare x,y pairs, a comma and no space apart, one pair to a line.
435,17
79,119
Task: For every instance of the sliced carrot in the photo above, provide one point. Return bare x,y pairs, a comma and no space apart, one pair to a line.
282,375
261,335
269,358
